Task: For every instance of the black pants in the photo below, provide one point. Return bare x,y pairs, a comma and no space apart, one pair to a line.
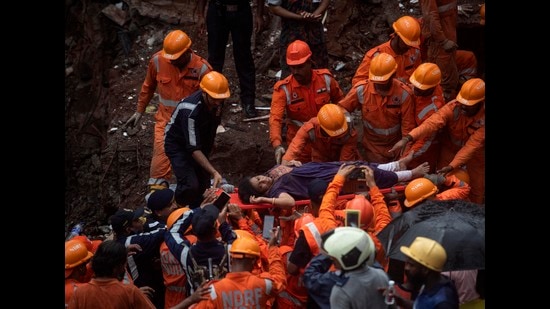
220,23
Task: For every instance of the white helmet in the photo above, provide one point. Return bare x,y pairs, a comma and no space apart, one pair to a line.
351,246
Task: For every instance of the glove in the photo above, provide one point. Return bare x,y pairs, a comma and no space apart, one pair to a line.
279,152
445,170
133,121
449,46
437,179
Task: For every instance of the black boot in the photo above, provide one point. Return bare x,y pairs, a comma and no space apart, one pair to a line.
250,111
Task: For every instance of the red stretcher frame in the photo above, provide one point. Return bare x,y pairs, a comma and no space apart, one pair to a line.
235,199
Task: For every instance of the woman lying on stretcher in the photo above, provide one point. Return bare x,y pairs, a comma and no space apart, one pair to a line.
283,185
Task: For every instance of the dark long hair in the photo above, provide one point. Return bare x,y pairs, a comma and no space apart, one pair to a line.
246,190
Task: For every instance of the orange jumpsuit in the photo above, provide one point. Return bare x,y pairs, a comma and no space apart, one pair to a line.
173,274
462,143
324,148
325,222
381,218
246,290
406,63
295,294
386,119
172,85
298,103
457,189
109,294
427,148
439,25
70,286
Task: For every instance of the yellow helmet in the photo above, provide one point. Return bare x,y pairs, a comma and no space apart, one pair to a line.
216,85
471,92
408,30
427,252
418,190
332,119
175,44
426,76
382,66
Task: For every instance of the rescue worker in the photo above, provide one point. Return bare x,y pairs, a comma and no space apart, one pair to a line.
435,187
387,108
425,260
301,20
428,98
161,203
106,290
242,289
190,137
330,136
174,73
144,266
173,274
299,97
439,32
403,45
463,138
207,258
225,17
77,257
351,250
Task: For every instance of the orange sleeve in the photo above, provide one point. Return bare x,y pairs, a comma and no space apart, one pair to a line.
277,271
349,151
350,101
475,141
433,123
276,115
458,189
326,212
381,213
408,118
148,87
362,72
299,142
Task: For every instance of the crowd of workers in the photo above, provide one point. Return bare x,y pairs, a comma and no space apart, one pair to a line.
422,114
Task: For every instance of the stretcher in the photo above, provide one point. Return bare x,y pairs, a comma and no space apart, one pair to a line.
236,200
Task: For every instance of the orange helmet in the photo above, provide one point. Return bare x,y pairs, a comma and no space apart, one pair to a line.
482,14
382,67
244,247
408,30
461,174
174,215
418,190
85,240
426,76
175,44
244,233
216,85
302,221
360,202
76,254
332,119
471,92
297,53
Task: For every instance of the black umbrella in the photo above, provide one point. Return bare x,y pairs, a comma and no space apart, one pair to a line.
459,226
